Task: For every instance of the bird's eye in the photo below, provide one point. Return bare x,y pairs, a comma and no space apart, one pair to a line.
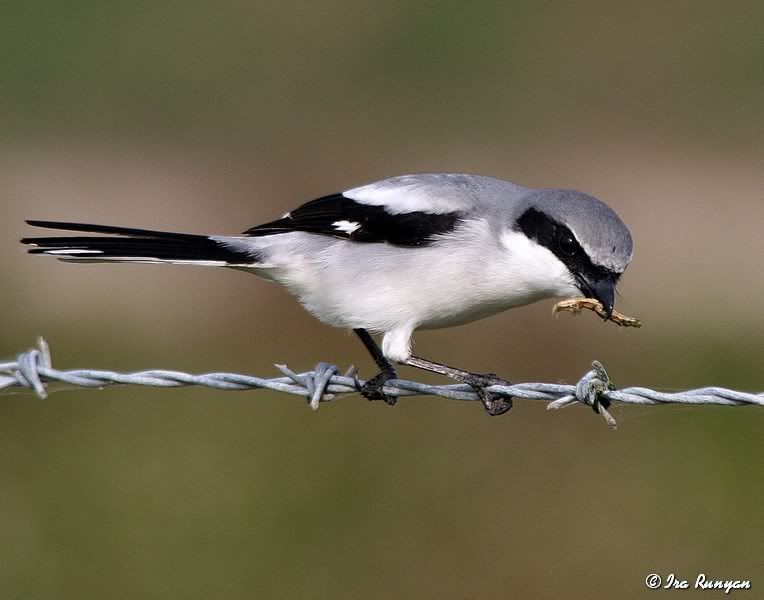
567,244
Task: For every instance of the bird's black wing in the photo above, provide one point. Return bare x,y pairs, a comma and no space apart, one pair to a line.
342,217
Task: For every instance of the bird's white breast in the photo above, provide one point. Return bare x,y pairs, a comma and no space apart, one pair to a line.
382,287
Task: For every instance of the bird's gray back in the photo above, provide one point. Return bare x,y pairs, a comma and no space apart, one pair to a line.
437,193
601,233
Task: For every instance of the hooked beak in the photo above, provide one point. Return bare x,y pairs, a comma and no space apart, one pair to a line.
602,289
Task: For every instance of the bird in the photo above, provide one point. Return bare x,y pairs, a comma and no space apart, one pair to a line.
406,253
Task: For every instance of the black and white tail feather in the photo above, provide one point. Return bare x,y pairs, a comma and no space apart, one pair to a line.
127,244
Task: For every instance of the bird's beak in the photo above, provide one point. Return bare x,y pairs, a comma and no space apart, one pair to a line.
602,289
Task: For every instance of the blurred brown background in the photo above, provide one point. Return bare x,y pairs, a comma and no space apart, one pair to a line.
213,117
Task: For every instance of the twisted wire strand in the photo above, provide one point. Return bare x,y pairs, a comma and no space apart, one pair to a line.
33,370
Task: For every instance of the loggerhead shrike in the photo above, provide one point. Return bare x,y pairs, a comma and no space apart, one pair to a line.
410,252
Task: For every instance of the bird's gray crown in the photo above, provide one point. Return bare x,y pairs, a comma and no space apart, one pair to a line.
597,228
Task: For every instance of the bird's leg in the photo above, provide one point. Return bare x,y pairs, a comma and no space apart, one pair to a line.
372,389
494,405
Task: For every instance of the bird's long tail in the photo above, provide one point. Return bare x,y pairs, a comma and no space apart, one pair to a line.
123,244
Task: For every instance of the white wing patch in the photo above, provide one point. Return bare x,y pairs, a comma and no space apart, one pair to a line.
346,226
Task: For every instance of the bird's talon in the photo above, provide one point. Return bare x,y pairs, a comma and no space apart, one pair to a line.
499,406
373,388
494,404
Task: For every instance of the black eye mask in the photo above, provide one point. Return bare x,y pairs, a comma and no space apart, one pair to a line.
555,236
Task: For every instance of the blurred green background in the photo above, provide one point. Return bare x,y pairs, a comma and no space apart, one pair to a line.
212,117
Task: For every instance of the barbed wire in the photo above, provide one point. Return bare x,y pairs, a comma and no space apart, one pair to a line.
33,369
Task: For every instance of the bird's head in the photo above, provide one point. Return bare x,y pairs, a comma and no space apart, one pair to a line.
591,243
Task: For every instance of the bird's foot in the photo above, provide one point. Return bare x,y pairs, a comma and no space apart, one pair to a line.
372,389
494,404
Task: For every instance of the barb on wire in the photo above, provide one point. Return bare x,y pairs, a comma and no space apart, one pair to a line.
33,369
